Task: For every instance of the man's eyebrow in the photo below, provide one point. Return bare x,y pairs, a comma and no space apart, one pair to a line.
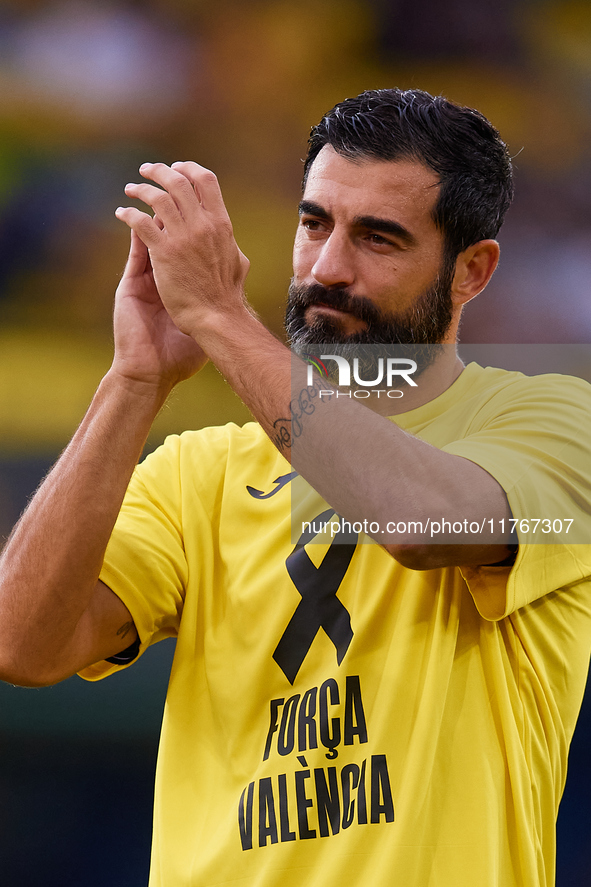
309,208
372,223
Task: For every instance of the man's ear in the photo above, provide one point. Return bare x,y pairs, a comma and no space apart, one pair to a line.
474,269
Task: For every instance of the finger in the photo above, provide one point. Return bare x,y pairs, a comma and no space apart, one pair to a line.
143,225
138,260
176,185
161,202
205,183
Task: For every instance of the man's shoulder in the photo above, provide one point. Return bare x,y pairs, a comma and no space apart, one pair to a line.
219,438
213,449
208,462
544,388
249,434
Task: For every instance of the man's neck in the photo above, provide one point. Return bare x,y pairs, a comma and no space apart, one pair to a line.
432,382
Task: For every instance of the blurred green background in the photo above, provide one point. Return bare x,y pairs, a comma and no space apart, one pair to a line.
88,91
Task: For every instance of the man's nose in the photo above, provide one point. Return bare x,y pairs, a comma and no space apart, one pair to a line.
335,267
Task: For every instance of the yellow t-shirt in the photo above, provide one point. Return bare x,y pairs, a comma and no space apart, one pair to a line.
332,717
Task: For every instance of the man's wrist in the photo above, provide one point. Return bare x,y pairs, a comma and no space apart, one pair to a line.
151,391
218,327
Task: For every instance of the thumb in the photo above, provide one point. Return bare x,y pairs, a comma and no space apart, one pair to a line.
138,260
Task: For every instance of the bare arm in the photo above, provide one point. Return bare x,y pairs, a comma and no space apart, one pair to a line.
56,616
362,464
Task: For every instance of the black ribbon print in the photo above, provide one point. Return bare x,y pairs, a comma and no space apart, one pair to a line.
319,606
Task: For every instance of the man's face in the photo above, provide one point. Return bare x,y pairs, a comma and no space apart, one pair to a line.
368,259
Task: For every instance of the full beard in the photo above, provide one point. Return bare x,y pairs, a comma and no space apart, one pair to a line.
419,331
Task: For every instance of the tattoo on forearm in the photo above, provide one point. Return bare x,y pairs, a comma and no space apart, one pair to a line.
125,629
286,430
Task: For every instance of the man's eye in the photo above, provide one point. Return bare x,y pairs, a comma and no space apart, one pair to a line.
311,224
377,238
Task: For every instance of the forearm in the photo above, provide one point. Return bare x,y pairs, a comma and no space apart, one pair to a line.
364,465
50,565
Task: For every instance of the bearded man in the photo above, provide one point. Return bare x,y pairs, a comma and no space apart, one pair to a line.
396,712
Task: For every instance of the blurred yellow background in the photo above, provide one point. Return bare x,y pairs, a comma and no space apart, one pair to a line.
89,90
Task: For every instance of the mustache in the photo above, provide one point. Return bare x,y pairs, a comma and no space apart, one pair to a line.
303,297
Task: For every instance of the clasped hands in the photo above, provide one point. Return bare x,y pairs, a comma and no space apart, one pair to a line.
197,267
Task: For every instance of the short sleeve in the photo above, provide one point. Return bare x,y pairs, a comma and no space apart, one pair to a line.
537,444
145,563
539,570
